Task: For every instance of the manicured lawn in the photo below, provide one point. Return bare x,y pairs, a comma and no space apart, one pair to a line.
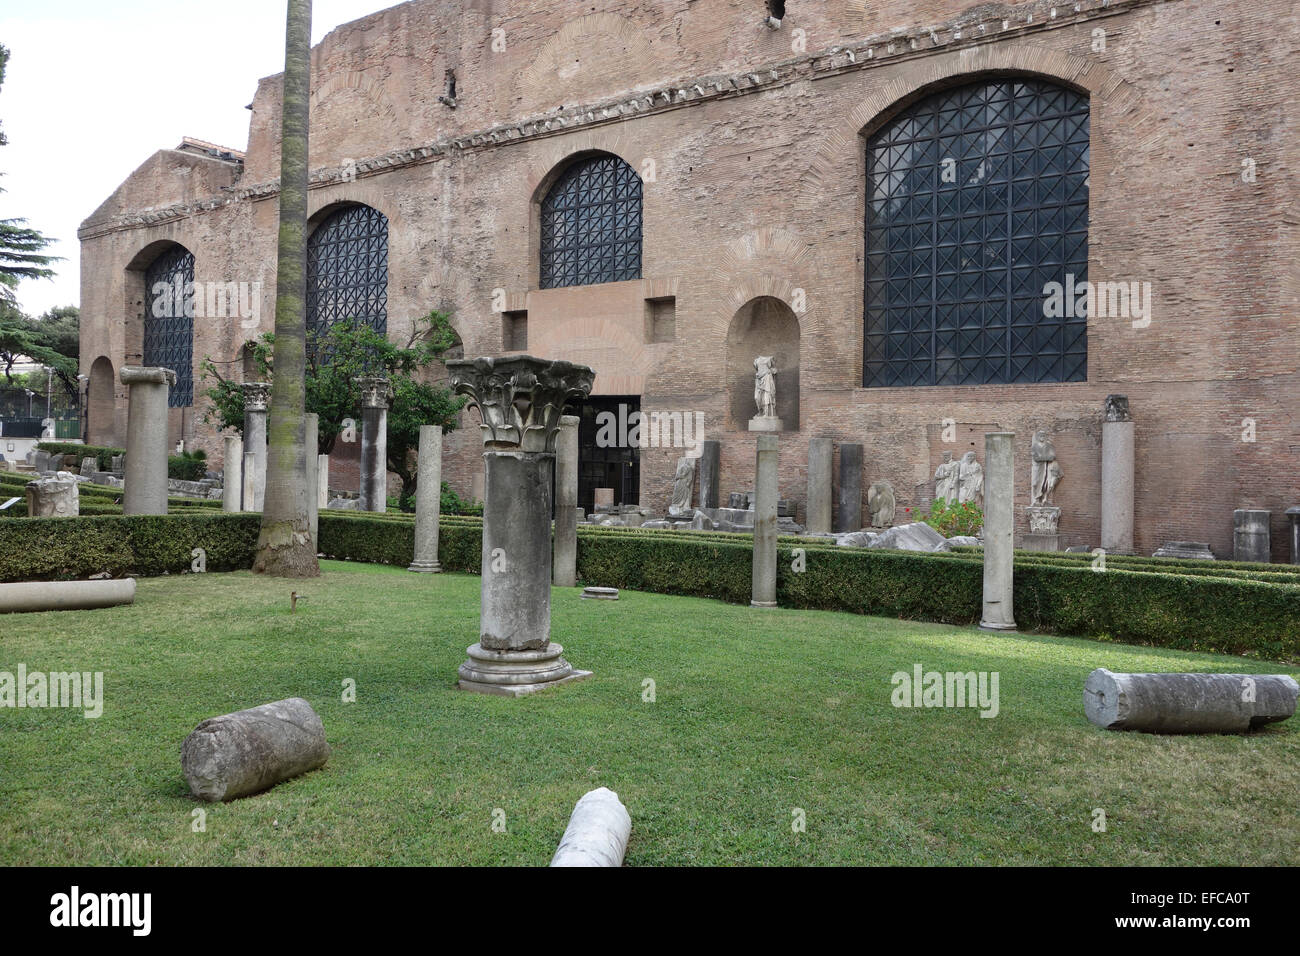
757,714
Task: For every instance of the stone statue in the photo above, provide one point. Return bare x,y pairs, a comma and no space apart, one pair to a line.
765,386
1046,471
945,480
683,485
970,480
882,504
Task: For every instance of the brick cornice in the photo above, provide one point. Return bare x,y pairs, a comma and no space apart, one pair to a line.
874,51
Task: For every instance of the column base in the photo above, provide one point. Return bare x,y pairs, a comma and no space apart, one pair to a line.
999,627
425,567
767,605
516,673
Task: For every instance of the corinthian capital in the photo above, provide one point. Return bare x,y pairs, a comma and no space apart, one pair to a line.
521,398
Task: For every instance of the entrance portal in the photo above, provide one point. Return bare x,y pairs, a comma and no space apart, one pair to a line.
617,467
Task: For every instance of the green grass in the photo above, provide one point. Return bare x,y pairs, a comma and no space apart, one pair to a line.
757,713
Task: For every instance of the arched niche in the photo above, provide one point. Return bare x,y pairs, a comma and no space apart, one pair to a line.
100,404
763,326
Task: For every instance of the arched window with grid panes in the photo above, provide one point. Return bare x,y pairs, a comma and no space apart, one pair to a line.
591,224
347,270
169,320
977,201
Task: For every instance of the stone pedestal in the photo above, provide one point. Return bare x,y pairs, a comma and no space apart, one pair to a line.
1043,523
257,401
1293,515
821,485
428,501
145,492
232,480
311,441
375,396
767,460
766,423
848,516
1251,540
521,400
1117,464
999,530
604,499
710,474
56,497
564,573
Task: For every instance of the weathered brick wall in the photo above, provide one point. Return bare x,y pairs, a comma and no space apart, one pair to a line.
758,190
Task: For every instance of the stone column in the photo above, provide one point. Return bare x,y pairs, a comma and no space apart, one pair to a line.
257,400
999,530
145,492
767,459
1251,540
322,481
565,560
710,474
1117,477
310,440
375,396
821,485
232,481
428,501
521,400
849,516
1293,514
250,480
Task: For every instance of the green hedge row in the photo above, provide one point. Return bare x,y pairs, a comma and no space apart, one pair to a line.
1176,610
58,549
103,454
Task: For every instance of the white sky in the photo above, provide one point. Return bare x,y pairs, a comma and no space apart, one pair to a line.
95,87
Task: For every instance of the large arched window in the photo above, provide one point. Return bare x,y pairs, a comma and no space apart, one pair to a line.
169,320
977,200
347,270
591,224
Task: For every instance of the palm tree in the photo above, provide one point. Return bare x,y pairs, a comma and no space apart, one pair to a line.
285,547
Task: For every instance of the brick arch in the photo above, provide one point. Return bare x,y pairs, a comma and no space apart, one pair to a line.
765,263
881,103
101,392
353,81
549,163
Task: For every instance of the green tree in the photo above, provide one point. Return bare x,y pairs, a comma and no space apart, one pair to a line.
22,249
51,340
284,546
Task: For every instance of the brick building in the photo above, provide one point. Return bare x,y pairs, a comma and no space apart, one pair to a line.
878,194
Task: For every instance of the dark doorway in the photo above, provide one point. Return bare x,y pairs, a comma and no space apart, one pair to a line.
606,459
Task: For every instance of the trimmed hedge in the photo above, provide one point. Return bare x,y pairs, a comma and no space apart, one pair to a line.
61,549
1180,610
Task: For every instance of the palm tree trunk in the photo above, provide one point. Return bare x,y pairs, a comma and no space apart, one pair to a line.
285,547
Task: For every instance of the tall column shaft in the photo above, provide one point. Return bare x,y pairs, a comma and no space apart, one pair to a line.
849,516
232,482
1117,486
516,612
428,501
145,492
821,485
999,530
374,459
711,474
766,492
250,481
322,481
310,441
565,561
257,399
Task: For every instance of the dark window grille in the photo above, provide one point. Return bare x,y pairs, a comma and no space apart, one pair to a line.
959,253
169,321
591,225
347,270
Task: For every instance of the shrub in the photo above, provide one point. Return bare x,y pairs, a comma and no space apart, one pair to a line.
190,466
59,549
953,518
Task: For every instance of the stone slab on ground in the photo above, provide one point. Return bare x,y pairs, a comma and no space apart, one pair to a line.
917,536
1190,550
1188,703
